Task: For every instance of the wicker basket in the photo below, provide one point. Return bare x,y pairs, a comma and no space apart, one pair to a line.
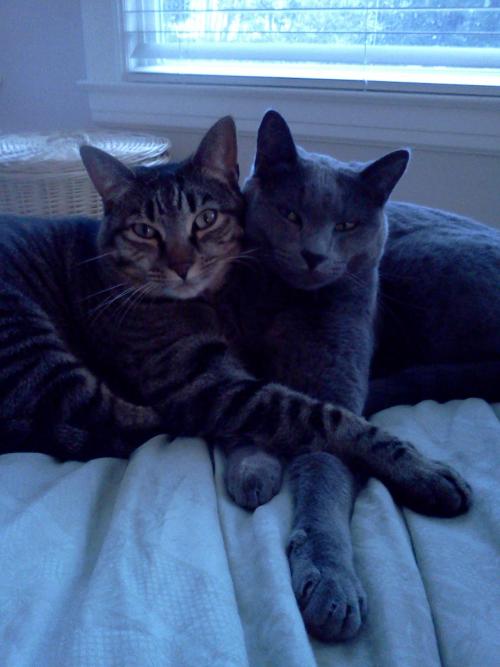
44,175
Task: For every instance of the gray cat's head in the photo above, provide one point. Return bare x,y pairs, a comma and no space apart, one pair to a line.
313,218
175,228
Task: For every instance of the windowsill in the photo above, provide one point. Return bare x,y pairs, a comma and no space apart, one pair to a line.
450,122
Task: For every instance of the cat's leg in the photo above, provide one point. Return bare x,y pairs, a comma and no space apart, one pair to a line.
252,476
66,411
329,593
218,399
50,401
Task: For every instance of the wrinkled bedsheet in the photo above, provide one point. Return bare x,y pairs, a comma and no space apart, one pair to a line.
147,563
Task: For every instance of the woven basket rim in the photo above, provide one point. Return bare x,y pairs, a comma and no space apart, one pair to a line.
53,154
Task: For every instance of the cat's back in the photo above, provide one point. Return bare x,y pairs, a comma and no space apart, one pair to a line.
439,287
430,227
426,244
32,247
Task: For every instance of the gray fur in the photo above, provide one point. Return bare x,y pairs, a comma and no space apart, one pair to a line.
307,318
439,315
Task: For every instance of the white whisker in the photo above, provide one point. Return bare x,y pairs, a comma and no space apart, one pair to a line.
94,259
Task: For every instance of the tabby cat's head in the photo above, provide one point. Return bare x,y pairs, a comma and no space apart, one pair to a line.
316,219
175,228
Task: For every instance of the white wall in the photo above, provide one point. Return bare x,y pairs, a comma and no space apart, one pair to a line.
41,58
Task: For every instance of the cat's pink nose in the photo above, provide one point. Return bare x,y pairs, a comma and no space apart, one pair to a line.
181,269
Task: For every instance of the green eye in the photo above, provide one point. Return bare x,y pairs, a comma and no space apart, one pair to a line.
144,231
291,216
206,218
345,226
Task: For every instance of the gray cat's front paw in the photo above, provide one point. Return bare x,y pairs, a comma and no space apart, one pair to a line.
330,596
253,476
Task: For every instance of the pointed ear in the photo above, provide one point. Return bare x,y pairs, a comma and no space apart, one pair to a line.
110,177
218,152
275,144
382,176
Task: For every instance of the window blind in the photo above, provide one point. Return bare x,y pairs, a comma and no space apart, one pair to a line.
408,41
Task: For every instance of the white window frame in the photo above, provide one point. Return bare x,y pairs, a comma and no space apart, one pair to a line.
461,119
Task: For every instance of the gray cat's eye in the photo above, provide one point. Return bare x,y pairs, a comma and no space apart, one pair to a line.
206,218
144,231
345,226
291,216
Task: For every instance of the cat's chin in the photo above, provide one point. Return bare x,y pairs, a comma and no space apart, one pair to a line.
186,291
309,281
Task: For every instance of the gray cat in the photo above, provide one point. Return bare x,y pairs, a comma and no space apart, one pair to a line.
307,316
109,333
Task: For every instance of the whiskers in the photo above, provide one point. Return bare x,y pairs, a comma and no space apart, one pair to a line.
96,258
239,258
103,291
134,299
122,303
359,282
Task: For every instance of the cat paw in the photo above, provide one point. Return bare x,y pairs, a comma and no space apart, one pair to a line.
435,489
425,486
329,594
253,477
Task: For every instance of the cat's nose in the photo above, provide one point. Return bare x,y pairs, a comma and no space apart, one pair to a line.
181,269
312,259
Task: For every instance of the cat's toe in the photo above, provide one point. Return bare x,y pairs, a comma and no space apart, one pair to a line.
253,480
452,494
250,491
329,594
435,489
334,611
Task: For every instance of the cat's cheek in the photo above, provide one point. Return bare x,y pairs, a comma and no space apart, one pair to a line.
358,261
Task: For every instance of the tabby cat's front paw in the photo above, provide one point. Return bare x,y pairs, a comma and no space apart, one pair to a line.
435,489
330,596
253,476
425,486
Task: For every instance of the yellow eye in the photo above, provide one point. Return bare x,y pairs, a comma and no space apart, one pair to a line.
144,231
345,226
206,218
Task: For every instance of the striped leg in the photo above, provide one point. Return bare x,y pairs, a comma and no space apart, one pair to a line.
201,390
51,403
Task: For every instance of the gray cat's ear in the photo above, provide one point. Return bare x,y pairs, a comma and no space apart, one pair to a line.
217,153
275,144
110,177
382,176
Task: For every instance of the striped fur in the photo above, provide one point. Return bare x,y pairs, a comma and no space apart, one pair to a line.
108,335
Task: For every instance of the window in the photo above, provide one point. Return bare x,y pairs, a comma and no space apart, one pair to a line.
352,43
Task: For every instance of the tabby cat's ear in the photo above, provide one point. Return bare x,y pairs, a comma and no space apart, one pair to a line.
275,144
382,176
218,152
110,177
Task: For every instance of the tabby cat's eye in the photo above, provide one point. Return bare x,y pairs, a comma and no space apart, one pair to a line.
144,231
345,226
206,218
291,216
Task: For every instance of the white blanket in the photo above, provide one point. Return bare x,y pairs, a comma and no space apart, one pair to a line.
147,563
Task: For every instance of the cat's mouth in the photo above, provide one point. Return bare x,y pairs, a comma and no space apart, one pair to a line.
308,280
186,290
311,280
